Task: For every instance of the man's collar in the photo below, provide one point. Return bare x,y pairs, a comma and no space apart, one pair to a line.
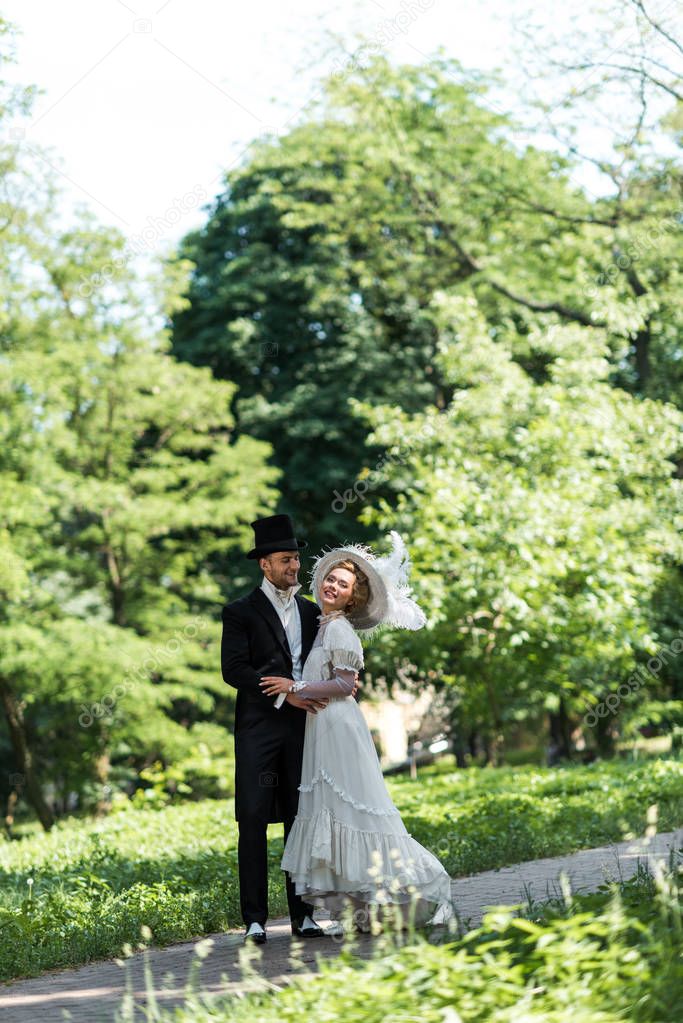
283,597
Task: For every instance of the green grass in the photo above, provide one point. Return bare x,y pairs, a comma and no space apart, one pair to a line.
87,888
610,957
489,817
82,891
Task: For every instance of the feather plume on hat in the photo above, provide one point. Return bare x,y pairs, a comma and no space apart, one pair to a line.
390,603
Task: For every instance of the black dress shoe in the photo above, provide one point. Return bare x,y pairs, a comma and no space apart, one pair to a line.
255,937
299,931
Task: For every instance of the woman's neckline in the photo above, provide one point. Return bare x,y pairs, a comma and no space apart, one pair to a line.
324,619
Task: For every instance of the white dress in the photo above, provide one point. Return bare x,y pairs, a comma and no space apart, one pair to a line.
348,842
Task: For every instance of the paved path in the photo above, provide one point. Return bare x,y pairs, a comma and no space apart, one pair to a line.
538,880
91,994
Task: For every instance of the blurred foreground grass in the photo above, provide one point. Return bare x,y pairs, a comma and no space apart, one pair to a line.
610,957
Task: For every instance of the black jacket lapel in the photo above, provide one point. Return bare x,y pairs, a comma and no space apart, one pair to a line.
270,615
308,613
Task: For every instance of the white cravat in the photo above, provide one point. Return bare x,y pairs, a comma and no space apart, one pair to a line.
284,603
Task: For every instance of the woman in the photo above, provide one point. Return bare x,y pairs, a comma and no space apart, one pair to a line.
348,844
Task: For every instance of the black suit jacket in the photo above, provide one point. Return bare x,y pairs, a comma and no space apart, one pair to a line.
254,644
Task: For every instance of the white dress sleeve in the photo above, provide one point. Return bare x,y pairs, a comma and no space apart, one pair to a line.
343,644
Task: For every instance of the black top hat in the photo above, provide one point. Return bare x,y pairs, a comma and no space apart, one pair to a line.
276,533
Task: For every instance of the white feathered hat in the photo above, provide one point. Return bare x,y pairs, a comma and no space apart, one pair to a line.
389,602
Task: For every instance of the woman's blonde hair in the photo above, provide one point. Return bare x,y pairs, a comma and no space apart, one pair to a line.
360,593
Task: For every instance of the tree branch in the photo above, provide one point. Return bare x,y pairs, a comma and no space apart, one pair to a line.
429,203
537,208
630,69
576,315
656,26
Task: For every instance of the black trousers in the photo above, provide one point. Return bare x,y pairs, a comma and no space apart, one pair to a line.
267,773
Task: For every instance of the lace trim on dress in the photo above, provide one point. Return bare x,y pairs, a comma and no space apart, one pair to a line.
322,775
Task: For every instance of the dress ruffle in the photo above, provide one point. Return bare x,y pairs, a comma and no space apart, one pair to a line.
341,657
323,776
326,856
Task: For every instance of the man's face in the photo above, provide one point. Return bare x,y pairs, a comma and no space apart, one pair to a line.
281,568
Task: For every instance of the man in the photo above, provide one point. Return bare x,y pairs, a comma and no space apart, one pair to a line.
269,632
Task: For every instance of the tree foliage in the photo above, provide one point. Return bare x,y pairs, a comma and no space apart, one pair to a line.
545,520
126,502
317,266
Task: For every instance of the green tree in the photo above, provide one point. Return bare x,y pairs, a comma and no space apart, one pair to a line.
126,502
542,518
620,68
328,246
317,265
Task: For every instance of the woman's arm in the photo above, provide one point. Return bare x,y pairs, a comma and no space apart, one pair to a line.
341,684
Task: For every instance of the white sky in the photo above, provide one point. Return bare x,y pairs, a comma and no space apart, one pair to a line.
147,102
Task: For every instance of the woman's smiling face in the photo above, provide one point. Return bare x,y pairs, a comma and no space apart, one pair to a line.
337,589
